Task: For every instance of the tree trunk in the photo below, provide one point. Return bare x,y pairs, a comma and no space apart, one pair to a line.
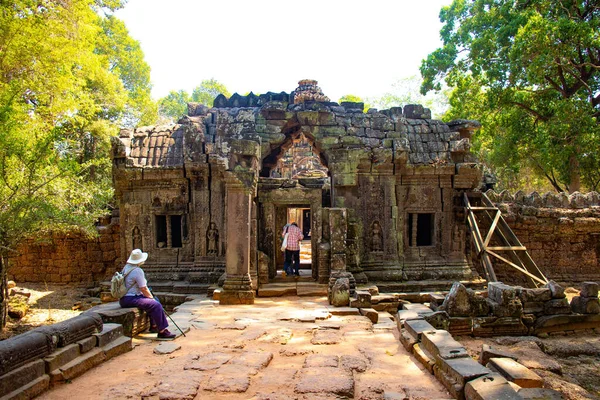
574,174
3,293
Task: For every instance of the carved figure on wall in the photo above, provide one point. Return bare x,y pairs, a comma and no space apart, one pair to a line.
212,240
136,237
376,238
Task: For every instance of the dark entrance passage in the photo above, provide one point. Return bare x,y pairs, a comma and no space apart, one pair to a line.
301,215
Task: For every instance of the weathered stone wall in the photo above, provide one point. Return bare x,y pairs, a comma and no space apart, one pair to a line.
70,257
561,233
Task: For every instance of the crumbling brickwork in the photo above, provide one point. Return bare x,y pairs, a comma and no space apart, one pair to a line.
69,257
561,233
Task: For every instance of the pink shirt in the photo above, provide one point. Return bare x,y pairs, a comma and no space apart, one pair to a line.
294,237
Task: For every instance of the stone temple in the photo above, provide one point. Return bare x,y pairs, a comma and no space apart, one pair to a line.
378,195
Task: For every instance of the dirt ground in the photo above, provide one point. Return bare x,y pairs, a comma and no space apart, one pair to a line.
48,304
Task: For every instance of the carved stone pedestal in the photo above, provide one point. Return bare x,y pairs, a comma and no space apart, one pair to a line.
237,290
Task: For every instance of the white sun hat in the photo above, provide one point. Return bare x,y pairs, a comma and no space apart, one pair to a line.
137,257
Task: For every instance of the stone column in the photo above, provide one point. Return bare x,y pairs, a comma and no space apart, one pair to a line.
237,288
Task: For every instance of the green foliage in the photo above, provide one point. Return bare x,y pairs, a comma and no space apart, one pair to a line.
70,76
406,91
207,91
174,105
530,72
354,99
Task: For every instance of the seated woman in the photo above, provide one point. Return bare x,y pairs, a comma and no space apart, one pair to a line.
138,295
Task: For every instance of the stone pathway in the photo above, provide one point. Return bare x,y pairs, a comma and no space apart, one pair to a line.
279,348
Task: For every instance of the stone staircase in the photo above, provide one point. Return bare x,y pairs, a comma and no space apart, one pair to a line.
292,286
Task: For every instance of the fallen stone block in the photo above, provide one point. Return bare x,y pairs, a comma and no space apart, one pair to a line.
404,315
462,370
22,376
585,305
536,307
488,352
416,327
436,300
363,297
557,307
109,333
492,326
31,390
490,387
539,394
440,343
457,302
574,322
390,307
515,372
557,291
61,357
407,340
438,319
537,295
589,289
370,313
118,346
460,326
424,357
383,298
78,366
501,293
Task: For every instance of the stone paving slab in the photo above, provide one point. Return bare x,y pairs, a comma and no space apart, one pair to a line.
325,380
265,358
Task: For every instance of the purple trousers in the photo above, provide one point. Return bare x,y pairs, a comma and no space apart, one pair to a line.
152,307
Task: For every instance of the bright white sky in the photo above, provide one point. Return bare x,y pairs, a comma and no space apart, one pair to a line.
350,47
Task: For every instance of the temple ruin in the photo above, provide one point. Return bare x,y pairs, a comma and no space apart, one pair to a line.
377,194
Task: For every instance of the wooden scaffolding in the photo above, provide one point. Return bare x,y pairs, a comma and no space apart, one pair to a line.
493,238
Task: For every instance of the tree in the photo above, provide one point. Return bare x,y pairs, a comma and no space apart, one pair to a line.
207,91
532,69
69,78
354,99
174,105
406,91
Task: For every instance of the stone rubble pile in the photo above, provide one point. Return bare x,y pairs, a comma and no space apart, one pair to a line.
508,310
497,374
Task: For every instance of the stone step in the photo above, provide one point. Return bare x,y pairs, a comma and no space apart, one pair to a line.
110,332
23,376
515,372
78,366
31,390
118,346
311,289
277,290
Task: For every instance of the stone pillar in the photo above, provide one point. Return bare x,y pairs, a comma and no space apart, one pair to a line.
237,288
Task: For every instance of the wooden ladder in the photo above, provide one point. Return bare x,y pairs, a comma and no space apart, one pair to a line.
481,211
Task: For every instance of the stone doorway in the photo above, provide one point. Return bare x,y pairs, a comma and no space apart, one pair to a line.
278,205
301,215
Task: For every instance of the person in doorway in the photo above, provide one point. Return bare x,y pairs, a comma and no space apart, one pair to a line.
292,250
138,295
